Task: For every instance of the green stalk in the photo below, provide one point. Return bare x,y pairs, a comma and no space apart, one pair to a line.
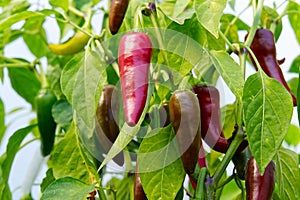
200,192
16,65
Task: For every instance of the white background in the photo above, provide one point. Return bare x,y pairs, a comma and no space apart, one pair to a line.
23,165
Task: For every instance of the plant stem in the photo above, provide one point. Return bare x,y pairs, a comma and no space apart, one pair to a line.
10,60
200,192
227,41
16,65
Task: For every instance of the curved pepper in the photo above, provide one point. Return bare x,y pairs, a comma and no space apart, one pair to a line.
116,14
135,53
106,126
184,115
259,187
264,49
211,128
72,46
46,124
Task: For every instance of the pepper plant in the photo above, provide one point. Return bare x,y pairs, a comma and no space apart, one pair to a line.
134,107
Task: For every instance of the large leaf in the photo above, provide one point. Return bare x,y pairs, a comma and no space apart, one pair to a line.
18,78
294,16
67,188
209,14
82,80
267,111
67,151
230,71
287,174
6,161
158,159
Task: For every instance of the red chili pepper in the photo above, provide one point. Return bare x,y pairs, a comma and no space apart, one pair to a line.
259,187
264,49
184,115
211,129
135,53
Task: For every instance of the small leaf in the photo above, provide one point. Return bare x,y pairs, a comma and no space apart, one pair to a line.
19,76
230,71
287,174
67,188
228,114
293,135
67,160
82,80
209,14
295,64
47,180
294,17
2,120
62,113
64,4
7,22
267,110
123,188
158,159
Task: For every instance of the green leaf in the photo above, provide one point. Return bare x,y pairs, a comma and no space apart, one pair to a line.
47,180
228,115
294,17
267,111
67,151
124,189
7,22
35,36
64,4
231,191
293,135
298,98
19,76
158,159
67,188
230,71
62,113
7,160
295,65
82,80
209,14
287,174
53,76
2,120
293,85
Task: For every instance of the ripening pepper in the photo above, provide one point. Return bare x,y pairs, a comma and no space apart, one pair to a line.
135,51
106,116
211,128
139,193
259,187
117,12
184,116
264,49
46,124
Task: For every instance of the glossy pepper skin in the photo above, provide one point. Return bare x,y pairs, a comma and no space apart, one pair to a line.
264,49
259,187
46,124
116,14
106,126
211,128
135,51
184,115
72,46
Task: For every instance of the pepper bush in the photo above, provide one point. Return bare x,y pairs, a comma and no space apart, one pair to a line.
194,42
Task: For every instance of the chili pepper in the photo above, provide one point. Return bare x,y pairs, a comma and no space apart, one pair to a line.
72,46
264,49
240,161
106,127
184,115
46,124
135,53
259,187
139,193
211,129
116,14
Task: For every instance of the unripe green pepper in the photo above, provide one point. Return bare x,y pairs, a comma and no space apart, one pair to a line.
184,114
46,124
